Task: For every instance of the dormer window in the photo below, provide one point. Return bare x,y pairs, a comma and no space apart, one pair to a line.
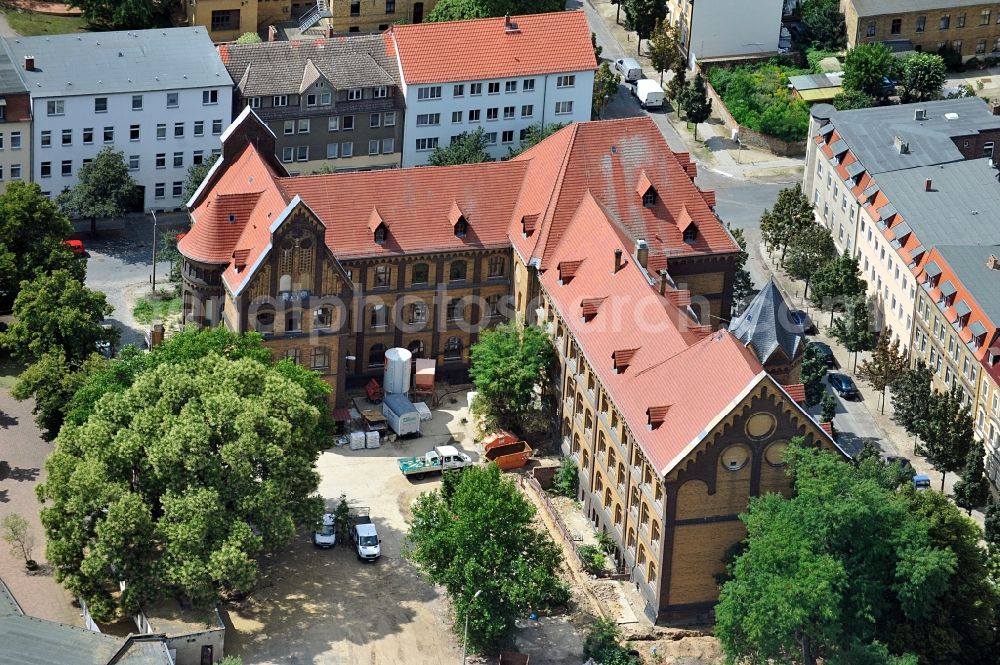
691,233
649,198
461,228
381,233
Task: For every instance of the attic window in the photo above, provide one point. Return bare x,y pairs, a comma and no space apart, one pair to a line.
461,227
691,233
649,198
567,270
589,307
621,358
993,355
381,233
232,217
528,224
655,415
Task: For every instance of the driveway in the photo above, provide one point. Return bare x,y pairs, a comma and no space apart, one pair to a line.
22,467
325,606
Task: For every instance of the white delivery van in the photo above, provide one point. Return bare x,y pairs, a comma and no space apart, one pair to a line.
403,417
629,69
325,535
649,93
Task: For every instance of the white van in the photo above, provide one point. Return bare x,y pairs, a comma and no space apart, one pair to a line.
649,93
629,69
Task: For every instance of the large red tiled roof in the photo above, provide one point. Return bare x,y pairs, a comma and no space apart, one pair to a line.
671,371
418,206
486,48
614,160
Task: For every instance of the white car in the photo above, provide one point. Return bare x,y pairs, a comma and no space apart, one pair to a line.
325,535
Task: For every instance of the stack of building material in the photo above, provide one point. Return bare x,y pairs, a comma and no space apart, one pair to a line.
423,410
357,440
372,440
423,380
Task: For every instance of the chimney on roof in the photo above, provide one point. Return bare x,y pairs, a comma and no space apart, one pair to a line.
993,263
663,282
328,32
920,114
618,259
928,185
641,252
995,106
272,33
508,25
902,147
29,63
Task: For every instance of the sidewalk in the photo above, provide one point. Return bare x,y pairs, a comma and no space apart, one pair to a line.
894,435
714,146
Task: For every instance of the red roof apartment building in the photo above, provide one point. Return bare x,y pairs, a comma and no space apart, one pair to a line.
597,233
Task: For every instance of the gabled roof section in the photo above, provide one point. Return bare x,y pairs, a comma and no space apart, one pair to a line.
644,185
492,48
289,67
660,356
376,220
766,325
610,159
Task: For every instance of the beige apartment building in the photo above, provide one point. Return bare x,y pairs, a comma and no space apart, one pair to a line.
15,123
970,27
883,179
226,20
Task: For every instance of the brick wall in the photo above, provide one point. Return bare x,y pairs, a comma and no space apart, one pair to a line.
750,137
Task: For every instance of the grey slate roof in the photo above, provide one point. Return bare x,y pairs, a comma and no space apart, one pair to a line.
870,132
89,63
287,68
968,262
876,7
961,209
25,640
767,325
10,82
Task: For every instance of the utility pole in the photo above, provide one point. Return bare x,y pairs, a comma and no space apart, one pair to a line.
153,213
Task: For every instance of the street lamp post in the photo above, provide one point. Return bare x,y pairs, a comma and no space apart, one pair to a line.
153,213
465,635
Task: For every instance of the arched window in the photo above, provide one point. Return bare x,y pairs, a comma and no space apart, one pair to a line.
323,317
655,532
461,227
576,443
641,558
453,348
456,272
376,356
586,460
416,348
265,320
691,233
651,575
381,233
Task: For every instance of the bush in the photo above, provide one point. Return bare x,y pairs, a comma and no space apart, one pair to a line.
249,38
606,542
757,97
564,483
594,560
604,644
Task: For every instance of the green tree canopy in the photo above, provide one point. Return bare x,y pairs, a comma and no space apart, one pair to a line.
641,17
824,24
483,539
865,67
459,10
57,313
853,99
176,483
249,38
468,148
837,281
509,366
605,88
948,433
809,249
664,47
196,174
697,105
973,489
924,75
743,290
32,231
824,568
885,367
812,374
792,214
855,329
51,381
911,398
116,14
104,189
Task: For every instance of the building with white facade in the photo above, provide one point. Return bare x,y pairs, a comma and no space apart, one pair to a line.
873,178
725,29
499,74
162,97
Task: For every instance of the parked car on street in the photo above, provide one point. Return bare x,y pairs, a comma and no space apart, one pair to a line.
365,536
825,352
76,246
843,384
630,70
921,482
649,93
802,322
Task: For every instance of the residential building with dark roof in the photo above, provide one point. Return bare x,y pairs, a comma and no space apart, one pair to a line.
970,27
599,234
162,97
883,180
333,104
502,75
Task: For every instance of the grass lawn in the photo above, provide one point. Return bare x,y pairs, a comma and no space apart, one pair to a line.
155,307
9,369
30,23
